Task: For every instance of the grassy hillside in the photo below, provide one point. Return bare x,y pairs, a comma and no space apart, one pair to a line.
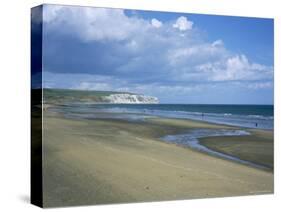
67,95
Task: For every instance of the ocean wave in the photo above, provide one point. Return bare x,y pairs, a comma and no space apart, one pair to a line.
260,117
181,112
227,114
250,121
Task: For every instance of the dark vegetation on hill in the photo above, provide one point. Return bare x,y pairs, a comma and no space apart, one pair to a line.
67,95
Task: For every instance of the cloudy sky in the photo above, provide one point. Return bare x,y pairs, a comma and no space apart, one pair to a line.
179,58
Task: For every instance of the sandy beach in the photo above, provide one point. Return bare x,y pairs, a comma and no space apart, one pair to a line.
114,161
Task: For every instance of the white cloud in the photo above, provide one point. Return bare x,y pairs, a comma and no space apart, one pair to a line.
52,12
183,24
196,53
260,85
104,86
217,43
109,83
156,23
139,52
92,23
237,67
253,85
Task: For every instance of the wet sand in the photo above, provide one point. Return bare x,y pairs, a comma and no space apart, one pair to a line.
257,148
114,161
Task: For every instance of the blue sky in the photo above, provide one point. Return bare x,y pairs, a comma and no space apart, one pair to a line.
177,57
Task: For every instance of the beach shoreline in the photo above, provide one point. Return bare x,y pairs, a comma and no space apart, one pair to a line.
221,144
116,161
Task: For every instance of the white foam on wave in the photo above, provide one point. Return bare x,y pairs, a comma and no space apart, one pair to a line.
227,114
260,117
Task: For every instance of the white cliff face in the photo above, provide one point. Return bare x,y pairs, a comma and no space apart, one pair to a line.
125,98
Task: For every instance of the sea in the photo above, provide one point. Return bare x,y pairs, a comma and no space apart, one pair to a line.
248,116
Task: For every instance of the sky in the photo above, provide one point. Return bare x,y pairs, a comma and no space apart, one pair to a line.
176,57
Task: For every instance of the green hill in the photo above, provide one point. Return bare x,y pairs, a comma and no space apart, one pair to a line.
67,95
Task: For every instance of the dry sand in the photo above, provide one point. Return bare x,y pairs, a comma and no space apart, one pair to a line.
110,161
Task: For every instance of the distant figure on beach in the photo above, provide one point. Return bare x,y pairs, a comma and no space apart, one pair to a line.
256,124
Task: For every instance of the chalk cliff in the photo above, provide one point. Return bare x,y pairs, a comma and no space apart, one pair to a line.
125,98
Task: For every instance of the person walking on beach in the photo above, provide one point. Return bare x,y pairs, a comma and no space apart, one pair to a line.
256,124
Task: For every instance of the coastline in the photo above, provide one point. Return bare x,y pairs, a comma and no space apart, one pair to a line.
257,148
116,161
254,150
